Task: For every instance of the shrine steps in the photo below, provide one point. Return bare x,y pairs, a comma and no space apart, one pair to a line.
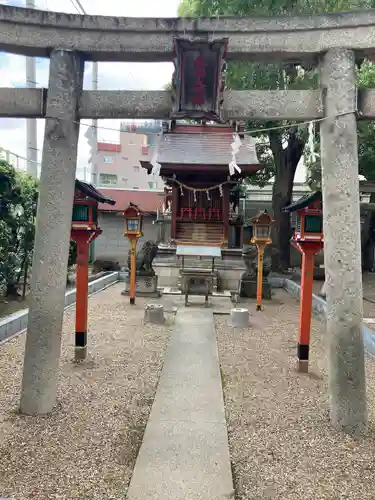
200,232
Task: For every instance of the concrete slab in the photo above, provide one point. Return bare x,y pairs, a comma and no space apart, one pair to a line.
184,454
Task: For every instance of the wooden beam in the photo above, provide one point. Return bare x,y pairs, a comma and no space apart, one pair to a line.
22,103
293,105
238,104
125,104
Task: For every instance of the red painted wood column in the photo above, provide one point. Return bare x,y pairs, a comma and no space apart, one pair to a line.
225,211
174,212
82,283
83,240
308,251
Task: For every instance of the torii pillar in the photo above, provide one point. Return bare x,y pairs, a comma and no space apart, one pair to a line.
52,233
342,242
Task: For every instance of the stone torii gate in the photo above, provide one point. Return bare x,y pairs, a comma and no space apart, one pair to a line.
334,41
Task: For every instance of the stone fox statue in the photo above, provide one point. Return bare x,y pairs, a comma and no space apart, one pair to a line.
145,257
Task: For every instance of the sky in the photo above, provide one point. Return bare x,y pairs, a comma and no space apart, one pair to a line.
112,76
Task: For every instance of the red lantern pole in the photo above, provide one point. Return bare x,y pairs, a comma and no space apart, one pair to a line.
83,240
308,238
133,231
308,250
133,264
260,247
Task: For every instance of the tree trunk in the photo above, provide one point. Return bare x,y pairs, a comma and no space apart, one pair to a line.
282,193
24,285
286,161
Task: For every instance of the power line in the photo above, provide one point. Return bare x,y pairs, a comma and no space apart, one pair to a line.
81,7
75,6
217,135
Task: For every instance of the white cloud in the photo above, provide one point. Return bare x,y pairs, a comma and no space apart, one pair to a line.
112,76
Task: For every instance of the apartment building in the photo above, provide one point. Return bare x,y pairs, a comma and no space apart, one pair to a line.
118,166
121,177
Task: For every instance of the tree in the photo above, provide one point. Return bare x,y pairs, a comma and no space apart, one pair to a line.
366,138
18,205
283,147
18,200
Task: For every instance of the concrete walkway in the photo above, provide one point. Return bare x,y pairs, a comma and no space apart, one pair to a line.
184,454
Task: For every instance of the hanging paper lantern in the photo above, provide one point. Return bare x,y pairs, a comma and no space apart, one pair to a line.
208,195
195,196
221,190
181,190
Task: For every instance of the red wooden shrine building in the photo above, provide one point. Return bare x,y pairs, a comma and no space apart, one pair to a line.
194,162
194,159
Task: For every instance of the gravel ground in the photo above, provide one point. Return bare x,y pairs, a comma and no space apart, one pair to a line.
86,449
281,442
368,280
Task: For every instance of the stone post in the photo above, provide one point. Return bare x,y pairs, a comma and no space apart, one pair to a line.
52,236
342,242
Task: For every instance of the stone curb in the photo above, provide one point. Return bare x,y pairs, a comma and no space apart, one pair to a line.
17,323
319,307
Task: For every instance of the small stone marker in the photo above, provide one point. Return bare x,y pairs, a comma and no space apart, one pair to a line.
154,313
239,318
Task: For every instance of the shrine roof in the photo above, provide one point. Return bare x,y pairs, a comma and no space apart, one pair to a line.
303,202
202,149
91,192
147,201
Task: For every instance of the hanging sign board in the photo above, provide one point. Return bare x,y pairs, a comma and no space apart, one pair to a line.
198,80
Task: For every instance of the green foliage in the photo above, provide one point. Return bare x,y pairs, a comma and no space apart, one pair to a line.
72,253
366,136
18,201
280,149
18,205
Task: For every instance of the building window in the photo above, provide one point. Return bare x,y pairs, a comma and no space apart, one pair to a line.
124,181
108,159
152,185
136,169
107,179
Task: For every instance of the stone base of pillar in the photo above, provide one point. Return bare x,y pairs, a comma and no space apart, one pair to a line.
302,366
248,288
80,353
154,313
145,286
239,318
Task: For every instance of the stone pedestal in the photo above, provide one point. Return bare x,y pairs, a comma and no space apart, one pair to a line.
248,288
145,286
154,313
239,318
248,282
197,284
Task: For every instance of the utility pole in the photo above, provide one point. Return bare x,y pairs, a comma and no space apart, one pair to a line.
31,125
94,170
92,133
